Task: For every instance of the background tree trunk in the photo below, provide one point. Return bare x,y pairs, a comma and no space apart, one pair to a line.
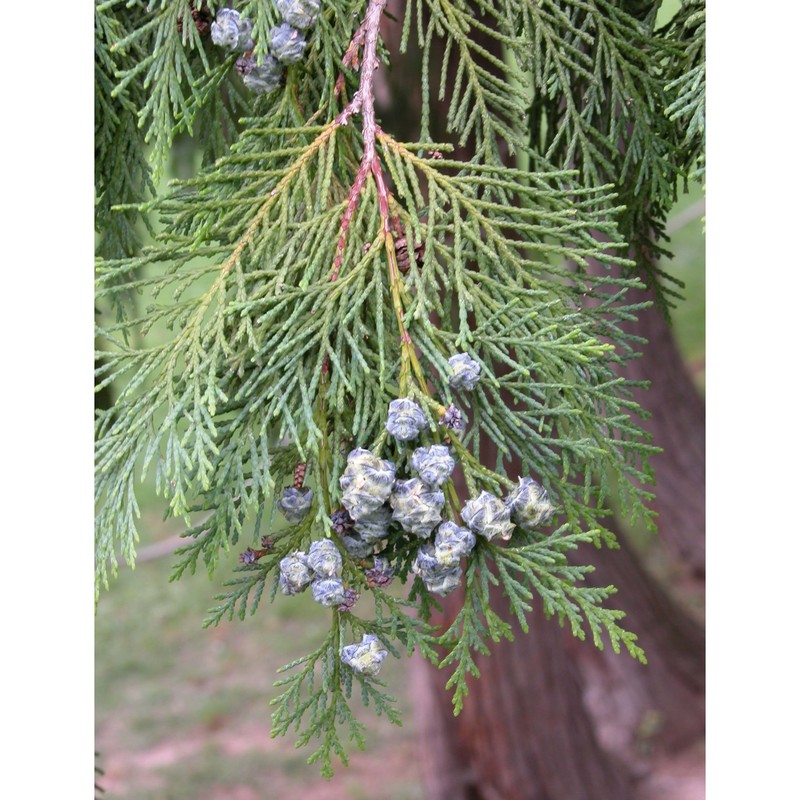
678,425
552,718
524,731
640,710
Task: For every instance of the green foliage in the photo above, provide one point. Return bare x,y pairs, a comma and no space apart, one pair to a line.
175,73
99,772
315,697
687,87
482,91
122,175
288,320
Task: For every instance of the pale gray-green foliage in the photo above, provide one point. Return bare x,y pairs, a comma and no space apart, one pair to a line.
180,78
223,408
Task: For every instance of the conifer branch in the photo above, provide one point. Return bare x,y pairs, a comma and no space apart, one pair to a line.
363,101
295,317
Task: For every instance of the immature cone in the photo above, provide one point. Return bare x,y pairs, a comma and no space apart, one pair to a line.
325,559
350,599
374,526
232,31
438,578
295,574
452,543
417,507
381,573
299,13
466,372
452,419
406,419
489,516
356,546
366,483
433,464
260,78
366,657
295,503
328,592
530,504
286,44
341,521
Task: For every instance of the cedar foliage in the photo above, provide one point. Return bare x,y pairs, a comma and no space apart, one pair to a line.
285,326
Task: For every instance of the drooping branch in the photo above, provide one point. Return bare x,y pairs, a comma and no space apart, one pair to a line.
292,355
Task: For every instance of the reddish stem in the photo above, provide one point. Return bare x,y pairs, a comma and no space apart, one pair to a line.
363,101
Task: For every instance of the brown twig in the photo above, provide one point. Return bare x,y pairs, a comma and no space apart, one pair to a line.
365,40
363,101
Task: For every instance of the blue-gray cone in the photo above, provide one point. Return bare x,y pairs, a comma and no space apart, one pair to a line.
530,505
425,560
328,592
260,78
295,574
295,503
366,657
286,44
374,526
366,483
488,516
433,464
443,581
405,420
232,31
466,372
301,14
417,507
451,543
356,546
325,559
437,577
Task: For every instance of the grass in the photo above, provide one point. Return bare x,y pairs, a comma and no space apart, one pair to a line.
183,712
687,243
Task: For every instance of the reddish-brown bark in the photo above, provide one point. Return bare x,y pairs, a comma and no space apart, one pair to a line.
552,718
678,425
524,732
558,718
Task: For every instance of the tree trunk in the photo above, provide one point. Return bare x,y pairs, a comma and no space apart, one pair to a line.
639,710
551,718
678,425
524,732
554,719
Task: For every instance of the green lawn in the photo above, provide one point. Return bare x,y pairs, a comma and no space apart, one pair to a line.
183,712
